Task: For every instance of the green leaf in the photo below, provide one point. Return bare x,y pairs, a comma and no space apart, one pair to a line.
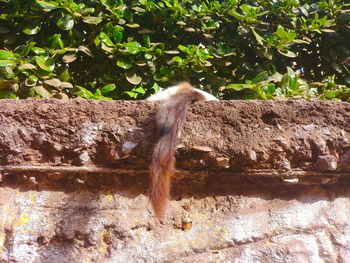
155,87
7,71
245,8
64,76
286,37
124,63
93,20
25,49
140,90
159,77
132,47
287,53
178,59
259,77
236,15
84,93
164,70
183,48
97,93
31,81
47,5
38,50
152,67
117,34
148,56
66,23
280,32
131,94
7,94
304,11
105,39
108,88
331,94
197,68
132,77
6,55
158,51
257,37
87,11
271,88
45,63
7,63
32,29
239,87
146,40
42,92
56,41
290,71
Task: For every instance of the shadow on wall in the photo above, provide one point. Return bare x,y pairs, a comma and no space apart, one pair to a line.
88,212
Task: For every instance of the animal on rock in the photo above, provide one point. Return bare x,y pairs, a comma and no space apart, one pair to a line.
174,102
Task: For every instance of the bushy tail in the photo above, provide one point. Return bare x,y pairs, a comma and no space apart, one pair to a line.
171,118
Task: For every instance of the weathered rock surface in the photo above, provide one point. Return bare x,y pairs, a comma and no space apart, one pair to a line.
258,181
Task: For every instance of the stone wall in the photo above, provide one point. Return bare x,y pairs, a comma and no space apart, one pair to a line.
257,181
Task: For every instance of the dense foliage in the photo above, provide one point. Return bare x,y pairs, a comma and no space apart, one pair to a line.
127,49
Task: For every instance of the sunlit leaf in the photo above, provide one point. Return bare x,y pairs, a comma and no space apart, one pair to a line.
26,66
133,25
45,63
236,15
66,85
68,58
32,29
6,55
287,53
84,93
94,20
239,87
257,36
104,38
7,63
50,5
147,41
133,78
31,81
132,47
56,83
108,88
65,23
7,94
85,50
124,63
38,50
42,91
64,76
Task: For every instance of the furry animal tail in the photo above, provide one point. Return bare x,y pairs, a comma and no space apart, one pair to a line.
170,120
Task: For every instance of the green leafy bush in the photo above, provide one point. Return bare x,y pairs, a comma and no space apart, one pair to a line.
114,49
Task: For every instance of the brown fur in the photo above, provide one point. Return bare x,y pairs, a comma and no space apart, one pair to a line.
171,117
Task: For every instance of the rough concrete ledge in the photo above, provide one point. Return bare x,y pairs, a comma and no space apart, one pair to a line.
257,181
276,138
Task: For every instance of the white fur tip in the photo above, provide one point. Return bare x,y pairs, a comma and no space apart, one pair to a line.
167,93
